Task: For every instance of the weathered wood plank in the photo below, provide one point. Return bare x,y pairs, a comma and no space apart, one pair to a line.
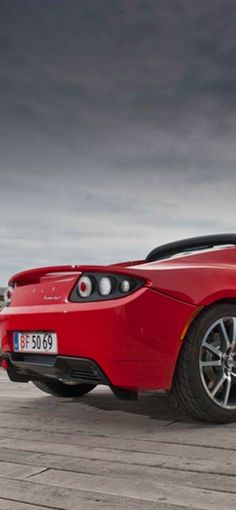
62,498
18,470
220,464
6,504
127,471
148,490
82,438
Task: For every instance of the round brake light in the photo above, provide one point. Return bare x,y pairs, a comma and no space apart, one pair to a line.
125,286
8,295
85,286
105,286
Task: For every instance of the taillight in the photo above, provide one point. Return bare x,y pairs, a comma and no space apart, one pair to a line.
85,286
125,286
105,286
100,286
8,295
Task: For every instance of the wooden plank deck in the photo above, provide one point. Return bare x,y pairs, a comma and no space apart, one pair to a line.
102,453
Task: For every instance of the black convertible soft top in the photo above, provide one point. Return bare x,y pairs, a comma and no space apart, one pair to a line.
192,243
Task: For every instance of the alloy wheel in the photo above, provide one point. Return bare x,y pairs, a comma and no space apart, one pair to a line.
217,362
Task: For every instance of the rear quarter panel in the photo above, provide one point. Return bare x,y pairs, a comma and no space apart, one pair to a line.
199,285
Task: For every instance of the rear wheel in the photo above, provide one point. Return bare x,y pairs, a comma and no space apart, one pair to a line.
205,378
60,389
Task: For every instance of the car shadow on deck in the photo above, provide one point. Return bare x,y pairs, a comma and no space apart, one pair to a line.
152,405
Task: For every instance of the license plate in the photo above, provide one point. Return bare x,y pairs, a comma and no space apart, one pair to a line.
43,342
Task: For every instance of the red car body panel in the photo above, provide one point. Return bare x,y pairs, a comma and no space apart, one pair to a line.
134,339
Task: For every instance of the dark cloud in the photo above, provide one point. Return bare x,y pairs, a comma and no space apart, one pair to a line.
117,127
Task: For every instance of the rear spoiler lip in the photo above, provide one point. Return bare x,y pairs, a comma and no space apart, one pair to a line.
30,275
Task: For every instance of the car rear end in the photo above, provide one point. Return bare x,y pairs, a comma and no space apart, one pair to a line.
123,333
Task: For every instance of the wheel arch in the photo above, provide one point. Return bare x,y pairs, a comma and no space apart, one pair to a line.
202,309
186,391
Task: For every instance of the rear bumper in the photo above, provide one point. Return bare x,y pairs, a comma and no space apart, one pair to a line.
134,341
25,367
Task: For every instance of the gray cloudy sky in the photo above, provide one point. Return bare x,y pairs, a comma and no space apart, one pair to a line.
117,127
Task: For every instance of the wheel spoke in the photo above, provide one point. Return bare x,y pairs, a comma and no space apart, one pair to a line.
213,363
224,334
217,385
212,348
227,389
233,336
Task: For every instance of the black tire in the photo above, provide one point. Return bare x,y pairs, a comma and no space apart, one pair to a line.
60,389
194,388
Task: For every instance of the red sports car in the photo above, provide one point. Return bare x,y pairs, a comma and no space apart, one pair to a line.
166,322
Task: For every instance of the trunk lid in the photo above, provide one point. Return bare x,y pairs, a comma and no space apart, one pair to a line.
48,285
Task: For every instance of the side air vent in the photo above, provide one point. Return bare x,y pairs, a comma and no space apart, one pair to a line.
86,375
